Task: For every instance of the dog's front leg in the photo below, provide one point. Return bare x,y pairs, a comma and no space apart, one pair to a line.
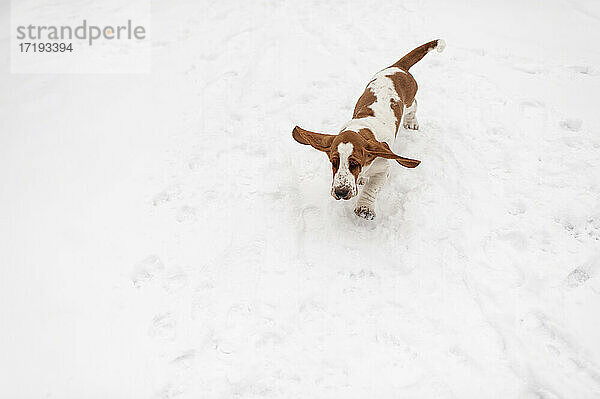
365,205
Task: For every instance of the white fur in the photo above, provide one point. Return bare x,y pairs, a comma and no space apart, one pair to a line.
365,205
383,124
441,45
343,176
410,119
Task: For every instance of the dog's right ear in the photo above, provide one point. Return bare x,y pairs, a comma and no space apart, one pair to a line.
321,142
381,149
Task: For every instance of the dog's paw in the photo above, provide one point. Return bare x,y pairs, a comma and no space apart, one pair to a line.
365,212
411,125
361,181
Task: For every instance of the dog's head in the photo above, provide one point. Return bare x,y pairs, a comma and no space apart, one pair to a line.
349,152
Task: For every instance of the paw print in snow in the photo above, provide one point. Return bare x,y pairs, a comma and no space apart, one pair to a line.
577,277
146,270
573,125
163,327
186,214
168,194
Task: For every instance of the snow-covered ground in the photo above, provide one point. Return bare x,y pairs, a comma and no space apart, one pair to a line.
163,236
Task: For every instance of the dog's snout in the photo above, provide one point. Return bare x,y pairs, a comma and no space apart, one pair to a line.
342,192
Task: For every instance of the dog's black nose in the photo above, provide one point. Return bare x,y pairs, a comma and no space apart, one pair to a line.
342,192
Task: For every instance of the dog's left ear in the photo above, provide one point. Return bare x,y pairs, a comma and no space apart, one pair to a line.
379,149
321,142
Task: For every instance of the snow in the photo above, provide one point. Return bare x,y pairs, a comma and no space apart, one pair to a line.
163,236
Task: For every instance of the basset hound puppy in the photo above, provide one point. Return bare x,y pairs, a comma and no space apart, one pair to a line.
360,152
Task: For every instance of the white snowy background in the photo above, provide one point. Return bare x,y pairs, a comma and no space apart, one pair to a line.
163,236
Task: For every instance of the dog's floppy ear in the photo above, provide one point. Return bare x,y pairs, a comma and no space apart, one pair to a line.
321,142
379,149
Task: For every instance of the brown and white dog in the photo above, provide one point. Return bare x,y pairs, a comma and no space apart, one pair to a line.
359,154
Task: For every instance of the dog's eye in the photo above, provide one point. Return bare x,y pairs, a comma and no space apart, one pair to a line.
354,165
335,163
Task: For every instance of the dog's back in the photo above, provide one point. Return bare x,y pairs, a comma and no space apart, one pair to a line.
382,104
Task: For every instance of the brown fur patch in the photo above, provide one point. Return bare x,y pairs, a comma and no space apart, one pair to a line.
362,110
405,85
367,134
416,55
398,108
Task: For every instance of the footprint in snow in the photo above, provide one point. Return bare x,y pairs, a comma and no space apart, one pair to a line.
517,208
589,230
186,214
185,360
306,98
152,268
583,273
573,125
169,391
592,228
269,339
544,335
168,194
174,282
530,104
146,270
582,69
532,69
163,326
197,162
577,277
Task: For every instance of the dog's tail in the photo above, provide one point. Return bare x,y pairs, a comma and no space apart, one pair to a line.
415,56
